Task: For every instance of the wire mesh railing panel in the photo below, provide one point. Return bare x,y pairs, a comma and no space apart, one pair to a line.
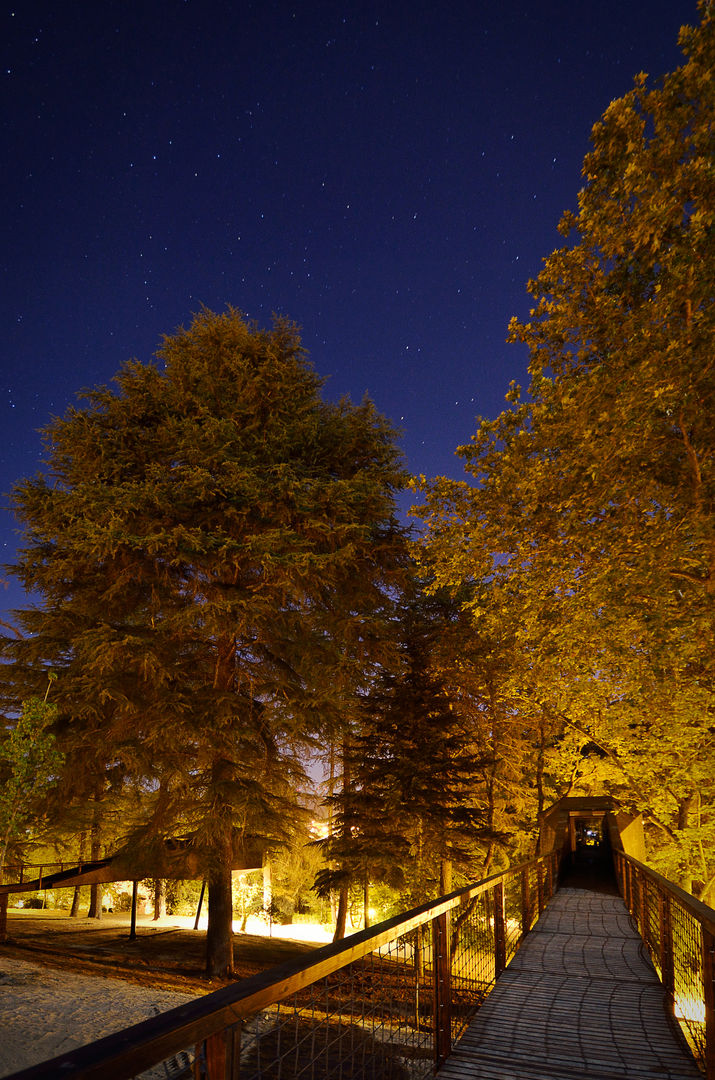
688,997
472,960
678,931
530,896
386,1004
373,1018
651,928
513,915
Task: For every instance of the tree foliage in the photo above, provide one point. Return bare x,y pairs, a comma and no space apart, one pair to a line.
210,540
589,527
30,763
412,803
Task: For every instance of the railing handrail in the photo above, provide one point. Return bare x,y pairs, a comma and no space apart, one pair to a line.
140,1046
685,962
702,912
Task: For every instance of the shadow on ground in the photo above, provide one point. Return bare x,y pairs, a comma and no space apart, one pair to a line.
166,957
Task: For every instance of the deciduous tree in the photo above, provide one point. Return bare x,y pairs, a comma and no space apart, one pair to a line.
592,519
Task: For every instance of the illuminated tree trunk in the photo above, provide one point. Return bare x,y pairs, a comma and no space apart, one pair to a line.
684,808
95,851
341,916
159,898
342,912
77,893
219,936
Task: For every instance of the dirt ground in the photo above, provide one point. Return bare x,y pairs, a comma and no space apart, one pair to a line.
165,954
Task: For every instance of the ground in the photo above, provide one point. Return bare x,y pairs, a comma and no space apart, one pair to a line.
66,982
167,954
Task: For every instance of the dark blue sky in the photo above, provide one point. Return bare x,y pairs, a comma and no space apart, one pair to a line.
389,175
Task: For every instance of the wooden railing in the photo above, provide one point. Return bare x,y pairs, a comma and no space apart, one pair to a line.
679,932
390,1000
21,872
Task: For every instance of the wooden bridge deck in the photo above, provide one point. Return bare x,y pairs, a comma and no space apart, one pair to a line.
579,1001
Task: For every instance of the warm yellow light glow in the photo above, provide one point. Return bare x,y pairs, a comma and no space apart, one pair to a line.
690,1008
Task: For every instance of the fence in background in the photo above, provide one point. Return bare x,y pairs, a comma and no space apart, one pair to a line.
388,1002
680,934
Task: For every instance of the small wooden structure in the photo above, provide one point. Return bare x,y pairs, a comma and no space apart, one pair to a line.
576,820
173,859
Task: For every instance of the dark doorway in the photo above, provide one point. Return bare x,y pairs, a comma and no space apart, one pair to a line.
591,863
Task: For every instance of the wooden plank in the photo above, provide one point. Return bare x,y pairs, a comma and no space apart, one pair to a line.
580,1001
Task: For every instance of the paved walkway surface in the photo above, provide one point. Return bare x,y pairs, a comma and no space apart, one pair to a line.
579,1001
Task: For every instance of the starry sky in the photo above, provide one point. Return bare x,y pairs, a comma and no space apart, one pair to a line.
388,174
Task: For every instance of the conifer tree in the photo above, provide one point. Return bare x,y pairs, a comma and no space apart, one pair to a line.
412,805
209,539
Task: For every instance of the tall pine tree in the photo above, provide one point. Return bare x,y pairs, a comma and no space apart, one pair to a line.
209,538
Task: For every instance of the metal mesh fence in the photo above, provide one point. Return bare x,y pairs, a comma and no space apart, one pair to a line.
377,1017
372,1018
689,1001
678,932
387,1004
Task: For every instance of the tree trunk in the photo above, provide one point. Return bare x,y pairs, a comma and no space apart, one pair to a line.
445,877
341,917
159,898
95,902
684,808
219,935
76,897
95,851
77,893
366,901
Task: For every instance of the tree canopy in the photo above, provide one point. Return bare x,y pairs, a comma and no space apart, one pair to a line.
210,541
588,525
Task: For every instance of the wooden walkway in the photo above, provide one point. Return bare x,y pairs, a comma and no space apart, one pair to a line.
579,1001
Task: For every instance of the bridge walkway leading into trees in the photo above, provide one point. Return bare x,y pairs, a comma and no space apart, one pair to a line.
580,1000
528,974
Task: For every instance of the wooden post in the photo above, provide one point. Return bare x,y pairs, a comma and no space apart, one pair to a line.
525,903
709,1001
442,969
218,1055
666,948
201,900
499,930
133,927
626,883
540,887
3,916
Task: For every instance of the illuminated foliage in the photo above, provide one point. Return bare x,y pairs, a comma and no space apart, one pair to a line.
413,804
590,530
29,766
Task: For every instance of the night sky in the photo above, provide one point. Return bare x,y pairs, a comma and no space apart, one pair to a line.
389,175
